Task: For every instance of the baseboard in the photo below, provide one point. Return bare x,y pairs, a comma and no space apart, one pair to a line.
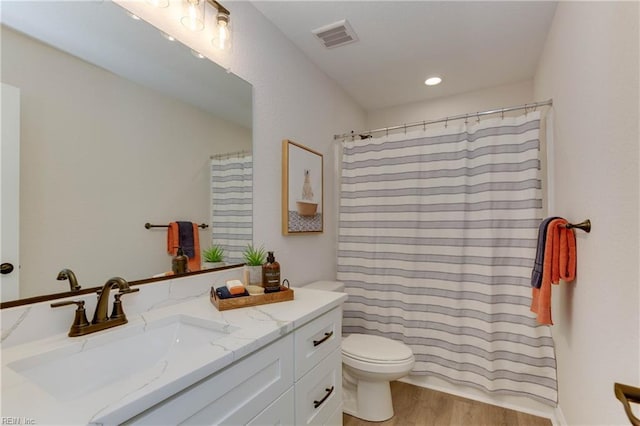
559,419
511,402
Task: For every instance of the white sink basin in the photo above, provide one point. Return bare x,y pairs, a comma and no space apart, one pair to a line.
96,361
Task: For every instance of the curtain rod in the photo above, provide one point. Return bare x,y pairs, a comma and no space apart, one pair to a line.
525,107
227,155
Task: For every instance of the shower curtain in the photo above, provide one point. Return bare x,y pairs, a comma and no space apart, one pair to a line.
232,203
437,237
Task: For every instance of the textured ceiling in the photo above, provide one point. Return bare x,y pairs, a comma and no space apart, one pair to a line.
472,45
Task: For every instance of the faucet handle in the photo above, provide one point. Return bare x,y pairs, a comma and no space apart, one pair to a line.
80,320
80,303
117,311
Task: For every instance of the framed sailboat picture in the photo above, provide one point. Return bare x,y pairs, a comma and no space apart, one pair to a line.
302,193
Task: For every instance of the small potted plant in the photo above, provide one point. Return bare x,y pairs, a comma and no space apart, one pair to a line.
254,259
213,257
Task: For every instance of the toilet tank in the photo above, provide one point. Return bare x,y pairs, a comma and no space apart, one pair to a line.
336,286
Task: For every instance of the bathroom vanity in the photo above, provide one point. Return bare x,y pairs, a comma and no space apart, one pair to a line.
187,363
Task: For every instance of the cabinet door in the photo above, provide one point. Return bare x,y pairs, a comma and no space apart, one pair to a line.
316,340
280,412
319,392
336,418
232,396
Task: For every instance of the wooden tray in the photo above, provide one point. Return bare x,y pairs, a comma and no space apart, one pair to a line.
284,294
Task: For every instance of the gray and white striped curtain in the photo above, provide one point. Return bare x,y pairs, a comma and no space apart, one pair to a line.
232,204
437,238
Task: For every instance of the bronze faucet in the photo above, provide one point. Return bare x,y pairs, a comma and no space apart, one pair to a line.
101,321
67,274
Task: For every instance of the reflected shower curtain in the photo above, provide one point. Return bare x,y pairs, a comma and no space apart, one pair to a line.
232,203
437,237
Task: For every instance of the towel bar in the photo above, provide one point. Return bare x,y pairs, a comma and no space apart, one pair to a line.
585,225
149,226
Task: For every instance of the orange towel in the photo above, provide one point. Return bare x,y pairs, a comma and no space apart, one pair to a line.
173,242
559,263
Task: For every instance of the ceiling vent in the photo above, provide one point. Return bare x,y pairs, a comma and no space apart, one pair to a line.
336,34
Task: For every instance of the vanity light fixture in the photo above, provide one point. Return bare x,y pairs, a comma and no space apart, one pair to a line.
433,81
193,17
222,35
193,14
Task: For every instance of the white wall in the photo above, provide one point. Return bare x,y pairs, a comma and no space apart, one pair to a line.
479,100
590,68
292,100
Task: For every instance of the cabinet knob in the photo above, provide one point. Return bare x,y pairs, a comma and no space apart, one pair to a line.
6,268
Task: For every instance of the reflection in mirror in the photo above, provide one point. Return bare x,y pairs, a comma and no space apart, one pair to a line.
118,127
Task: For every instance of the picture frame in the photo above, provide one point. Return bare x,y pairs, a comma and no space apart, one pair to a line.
302,189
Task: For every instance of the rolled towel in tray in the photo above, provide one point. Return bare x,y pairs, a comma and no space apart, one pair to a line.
223,293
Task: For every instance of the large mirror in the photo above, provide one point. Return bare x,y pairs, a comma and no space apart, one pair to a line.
119,127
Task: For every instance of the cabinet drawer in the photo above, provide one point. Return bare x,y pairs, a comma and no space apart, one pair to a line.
316,340
232,396
319,392
280,412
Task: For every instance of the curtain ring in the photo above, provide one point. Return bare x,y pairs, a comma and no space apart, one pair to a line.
502,113
387,130
405,128
466,121
477,117
525,110
446,122
424,126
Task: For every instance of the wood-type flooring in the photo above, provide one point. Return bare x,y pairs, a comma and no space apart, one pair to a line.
417,406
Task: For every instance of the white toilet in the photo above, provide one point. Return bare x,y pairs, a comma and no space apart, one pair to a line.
369,363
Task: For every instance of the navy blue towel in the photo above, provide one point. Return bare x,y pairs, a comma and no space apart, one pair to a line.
223,293
185,238
538,266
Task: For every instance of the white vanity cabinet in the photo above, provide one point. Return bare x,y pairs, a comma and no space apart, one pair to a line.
232,396
296,380
318,370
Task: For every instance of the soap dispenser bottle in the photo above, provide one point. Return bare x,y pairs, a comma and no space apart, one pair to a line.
271,273
179,262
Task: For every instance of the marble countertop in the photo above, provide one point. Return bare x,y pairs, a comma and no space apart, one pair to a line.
113,402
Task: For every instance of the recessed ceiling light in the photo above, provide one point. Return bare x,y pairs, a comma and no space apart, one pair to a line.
432,81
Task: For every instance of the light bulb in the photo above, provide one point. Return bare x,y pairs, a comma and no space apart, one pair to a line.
432,81
193,14
222,37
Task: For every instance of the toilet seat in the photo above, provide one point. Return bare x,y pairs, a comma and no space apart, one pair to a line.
370,349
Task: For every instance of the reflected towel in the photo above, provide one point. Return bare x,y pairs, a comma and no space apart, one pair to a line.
559,263
185,235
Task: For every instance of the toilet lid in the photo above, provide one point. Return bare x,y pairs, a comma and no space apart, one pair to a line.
379,349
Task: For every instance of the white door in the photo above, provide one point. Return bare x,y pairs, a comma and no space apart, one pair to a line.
9,192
